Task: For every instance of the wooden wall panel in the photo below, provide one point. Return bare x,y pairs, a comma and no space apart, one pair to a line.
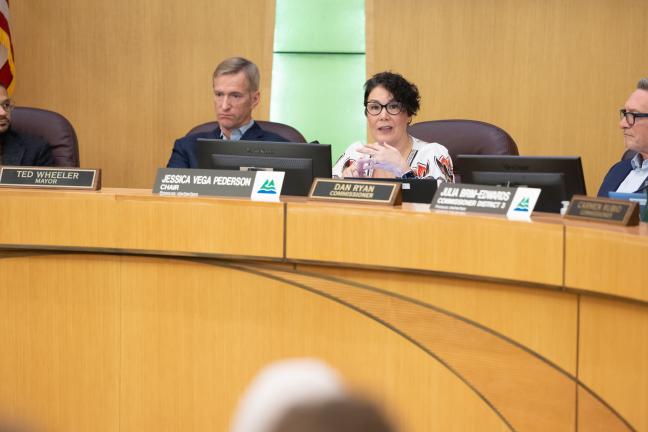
194,335
613,351
551,73
593,257
167,341
59,339
134,76
138,220
524,390
415,238
530,316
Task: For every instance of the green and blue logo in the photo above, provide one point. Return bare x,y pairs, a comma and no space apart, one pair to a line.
523,205
268,187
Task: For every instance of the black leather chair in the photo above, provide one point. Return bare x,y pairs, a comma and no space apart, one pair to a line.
288,132
465,137
53,128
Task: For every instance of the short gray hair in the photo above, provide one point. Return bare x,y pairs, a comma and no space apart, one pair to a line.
235,65
643,84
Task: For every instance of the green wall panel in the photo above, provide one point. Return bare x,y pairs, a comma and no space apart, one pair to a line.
321,95
319,68
333,26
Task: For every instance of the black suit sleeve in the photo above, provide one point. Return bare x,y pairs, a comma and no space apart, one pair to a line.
44,156
179,157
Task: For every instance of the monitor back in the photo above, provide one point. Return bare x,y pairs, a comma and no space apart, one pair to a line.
559,177
301,162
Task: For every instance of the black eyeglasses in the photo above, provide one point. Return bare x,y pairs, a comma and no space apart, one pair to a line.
374,108
630,117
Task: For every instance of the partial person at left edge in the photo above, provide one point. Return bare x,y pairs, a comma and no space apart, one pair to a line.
236,94
20,149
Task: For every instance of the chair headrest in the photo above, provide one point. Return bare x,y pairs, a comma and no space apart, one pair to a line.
466,137
55,129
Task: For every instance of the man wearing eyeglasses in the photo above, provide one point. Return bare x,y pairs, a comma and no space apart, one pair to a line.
236,94
19,149
631,175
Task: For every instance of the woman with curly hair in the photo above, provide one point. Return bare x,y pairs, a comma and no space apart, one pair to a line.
390,103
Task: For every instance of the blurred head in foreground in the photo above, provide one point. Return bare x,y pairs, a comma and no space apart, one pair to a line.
12,427
337,415
282,386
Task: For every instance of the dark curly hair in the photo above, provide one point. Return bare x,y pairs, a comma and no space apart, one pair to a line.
404,91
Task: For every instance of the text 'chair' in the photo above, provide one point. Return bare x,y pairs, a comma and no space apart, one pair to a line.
55,129
288,132
465,137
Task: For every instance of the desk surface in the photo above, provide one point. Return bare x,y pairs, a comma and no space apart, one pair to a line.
140,222
417,306
546,251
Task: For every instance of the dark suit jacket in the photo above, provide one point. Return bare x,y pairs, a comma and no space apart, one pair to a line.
25,150
615,177
184,149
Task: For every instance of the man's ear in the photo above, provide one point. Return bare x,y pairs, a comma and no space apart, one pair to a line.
256,97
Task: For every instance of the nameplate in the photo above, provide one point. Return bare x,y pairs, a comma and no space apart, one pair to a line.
515,203
358,191
257,185
50,177
605,210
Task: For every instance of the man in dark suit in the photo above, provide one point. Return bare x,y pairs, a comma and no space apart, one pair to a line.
19,149
631,175
236,94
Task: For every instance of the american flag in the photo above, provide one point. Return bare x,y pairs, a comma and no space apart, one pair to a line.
7,67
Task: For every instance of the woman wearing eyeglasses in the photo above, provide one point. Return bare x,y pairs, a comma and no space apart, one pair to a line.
390,103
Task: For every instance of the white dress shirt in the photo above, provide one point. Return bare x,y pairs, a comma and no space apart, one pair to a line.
636,178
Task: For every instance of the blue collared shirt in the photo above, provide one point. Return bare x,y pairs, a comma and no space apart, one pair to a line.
637,176
238,133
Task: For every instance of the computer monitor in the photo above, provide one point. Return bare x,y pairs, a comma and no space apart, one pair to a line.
559,177
301,162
